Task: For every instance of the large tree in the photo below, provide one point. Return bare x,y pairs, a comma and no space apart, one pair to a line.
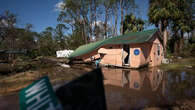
46,42
160,13
83,15
107,4
115,10
184,23
125,5
132,24
7,25
75,13
60,36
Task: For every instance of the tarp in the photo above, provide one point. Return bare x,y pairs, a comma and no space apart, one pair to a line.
63,53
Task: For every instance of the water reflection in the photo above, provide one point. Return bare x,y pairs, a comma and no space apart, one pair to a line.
180,85
136,89
133,79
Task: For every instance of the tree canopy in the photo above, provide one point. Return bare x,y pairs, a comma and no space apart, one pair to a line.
132,24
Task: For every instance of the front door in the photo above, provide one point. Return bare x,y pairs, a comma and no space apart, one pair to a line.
126,55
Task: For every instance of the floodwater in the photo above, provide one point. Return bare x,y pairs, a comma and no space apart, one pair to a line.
145,88
137,89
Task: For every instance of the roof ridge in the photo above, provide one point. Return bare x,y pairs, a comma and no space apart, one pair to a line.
151,35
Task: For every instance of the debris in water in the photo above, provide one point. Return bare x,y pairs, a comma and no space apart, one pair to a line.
64,65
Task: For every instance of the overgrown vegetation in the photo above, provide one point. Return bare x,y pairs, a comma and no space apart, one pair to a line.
178,16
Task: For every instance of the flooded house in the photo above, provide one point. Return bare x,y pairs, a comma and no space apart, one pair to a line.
131,50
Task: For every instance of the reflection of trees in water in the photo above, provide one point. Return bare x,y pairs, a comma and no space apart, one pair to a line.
156,77
180,85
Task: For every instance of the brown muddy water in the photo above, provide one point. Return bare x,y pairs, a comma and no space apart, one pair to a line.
152,88
144,89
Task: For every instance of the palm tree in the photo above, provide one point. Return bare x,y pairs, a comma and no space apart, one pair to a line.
125,5
160,12
182,24
132,24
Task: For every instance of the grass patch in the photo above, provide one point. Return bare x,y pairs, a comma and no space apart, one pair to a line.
180,64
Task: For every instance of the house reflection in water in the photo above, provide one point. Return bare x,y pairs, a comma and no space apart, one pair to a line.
133,79
133,89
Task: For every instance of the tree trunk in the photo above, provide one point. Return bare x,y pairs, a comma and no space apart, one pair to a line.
165,41
91,19
176,44
112,26
83,31
121,5
116,19
95,17
181,42
105,23
160,23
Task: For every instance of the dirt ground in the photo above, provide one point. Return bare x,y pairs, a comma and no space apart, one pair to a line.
31,71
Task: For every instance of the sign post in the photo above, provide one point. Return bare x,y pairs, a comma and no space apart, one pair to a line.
39,96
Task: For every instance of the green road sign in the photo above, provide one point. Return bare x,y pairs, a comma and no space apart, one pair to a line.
39,96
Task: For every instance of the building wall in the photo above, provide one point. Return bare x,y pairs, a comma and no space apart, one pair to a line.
144,56
145,53
148,54
134,59
155,58
112,55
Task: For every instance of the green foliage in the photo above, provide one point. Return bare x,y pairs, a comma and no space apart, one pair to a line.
161,11
74,41
182,24
86,14
46,43
132,24
21,39
185,20
59,37
75,15
178,14
15,38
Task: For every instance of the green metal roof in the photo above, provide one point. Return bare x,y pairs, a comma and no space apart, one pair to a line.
129,38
